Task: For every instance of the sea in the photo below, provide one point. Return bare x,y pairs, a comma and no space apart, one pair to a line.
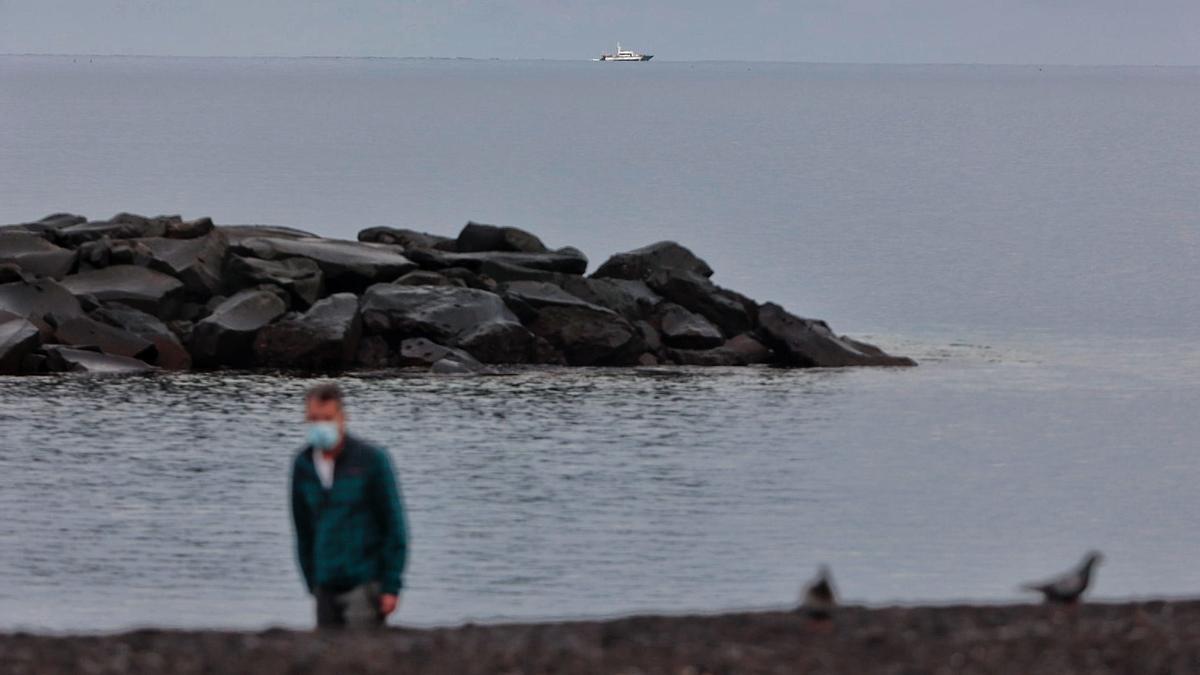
1031,235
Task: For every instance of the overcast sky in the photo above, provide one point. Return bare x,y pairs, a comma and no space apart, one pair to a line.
893,31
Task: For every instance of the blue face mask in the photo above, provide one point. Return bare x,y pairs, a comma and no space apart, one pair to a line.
323,435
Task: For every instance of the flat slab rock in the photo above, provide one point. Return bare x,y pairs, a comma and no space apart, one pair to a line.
69,359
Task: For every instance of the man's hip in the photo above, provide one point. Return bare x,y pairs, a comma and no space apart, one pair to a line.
356,607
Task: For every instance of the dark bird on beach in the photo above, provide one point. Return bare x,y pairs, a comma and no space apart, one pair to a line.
1066,589
819,599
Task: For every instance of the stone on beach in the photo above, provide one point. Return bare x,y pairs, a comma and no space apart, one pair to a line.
36,255
476,237
138,287
226,337
68,359
810,343
170,352
84,331
300,277
325,337
43,301
18,338
685,330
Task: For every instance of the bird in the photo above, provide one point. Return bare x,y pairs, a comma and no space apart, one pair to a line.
1067,588
819,599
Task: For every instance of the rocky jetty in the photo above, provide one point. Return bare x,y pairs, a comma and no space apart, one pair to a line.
136,294
1151,637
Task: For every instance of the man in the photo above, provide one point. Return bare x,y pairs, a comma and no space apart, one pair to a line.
351,536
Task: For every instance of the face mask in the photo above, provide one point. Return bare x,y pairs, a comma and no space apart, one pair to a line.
323,435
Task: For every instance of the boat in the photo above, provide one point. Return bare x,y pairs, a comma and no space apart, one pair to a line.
624,55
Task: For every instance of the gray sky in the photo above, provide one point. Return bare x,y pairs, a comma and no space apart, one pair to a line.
894,31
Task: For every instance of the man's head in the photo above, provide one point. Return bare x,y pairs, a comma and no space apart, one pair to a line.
326,417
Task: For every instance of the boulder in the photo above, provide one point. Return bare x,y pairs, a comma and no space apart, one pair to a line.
631,298
642,262
94,255
120,226
808,343
499,342
226,337
300,277
347,265
525,298
685,330
504,272
423,352
69,359
431,311
427,278
588,336
565,260
82,331
403,238
325,337
138,287
36,255
196,261
731,312
474,320
10,272
742,350
476,237
18,338
54,221
169,351
449,366
235,233
43,301
189,229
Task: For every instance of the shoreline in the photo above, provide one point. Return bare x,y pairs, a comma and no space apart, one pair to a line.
1119,637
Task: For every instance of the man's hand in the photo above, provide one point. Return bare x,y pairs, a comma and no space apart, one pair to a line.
388,603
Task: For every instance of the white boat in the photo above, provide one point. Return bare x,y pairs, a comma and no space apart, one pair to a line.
624,55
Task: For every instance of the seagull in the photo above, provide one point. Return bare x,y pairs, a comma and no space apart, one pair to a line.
1066,589
819,597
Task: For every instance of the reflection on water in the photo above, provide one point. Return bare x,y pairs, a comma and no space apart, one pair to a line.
162,500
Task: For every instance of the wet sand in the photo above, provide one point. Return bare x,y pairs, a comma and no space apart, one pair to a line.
1150,637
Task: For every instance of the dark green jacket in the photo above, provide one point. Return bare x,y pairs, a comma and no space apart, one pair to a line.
355,532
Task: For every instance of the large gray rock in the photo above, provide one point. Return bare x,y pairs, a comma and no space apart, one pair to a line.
475,320
196,261
68,359
427,278
731,312
18,338
642,262
323,338
476,237
189,229
347,265
235,233
226,337
424,352
120,226
742,350
300,277
430,311
631,298
34,254
588,336
685,330
43,301
809,343
138,287
170,352
565,260
525,298
82,331
403,238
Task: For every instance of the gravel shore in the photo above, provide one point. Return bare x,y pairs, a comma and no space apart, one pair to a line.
1150,637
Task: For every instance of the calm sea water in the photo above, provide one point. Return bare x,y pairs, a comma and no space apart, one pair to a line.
1031,235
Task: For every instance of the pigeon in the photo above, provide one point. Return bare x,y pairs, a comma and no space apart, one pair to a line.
819,597
1066,589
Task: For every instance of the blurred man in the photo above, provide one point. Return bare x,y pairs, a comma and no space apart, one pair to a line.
351,535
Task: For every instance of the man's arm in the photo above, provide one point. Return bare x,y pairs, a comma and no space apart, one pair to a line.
389,509
302,519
